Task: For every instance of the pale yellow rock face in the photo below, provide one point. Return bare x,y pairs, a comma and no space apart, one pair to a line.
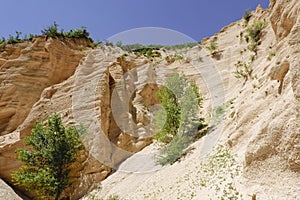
26,70
261,124
7,193
57,84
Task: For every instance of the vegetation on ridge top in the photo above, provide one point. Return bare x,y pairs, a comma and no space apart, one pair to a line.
51,31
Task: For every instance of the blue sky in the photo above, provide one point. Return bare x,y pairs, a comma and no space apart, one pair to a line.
195,19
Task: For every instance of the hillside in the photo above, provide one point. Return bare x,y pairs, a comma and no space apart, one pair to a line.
248,74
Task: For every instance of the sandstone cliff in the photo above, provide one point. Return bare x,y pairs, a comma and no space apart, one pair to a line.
86,87
7,193
260,126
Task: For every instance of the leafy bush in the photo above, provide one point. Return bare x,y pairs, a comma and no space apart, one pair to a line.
50,31
77,33
254,31
16,39
174,150
243,70
53,32
46,163
254,34
179,123
119,43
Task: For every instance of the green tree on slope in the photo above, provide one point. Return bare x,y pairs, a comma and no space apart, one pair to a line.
46,163
180,122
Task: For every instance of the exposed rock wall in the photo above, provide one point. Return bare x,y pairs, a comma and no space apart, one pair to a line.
26,70
261,124
280,133
80,91
7,193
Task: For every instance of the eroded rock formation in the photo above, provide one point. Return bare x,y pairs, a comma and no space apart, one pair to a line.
86,87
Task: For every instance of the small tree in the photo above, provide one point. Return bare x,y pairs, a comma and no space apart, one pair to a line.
119,43
180,121
46,163
51,31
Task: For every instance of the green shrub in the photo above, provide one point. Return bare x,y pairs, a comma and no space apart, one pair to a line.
52,31
217,115
178,57
119,43
174,150
18,38
247,16
243,70
14,39
77,33
179,123
254,31
46,163
254,34
149,52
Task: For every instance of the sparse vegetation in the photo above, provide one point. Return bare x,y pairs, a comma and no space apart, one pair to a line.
216,173
179,123
178,57
119,43
217,115
174,150
113,197
148,52
247,16
172,58
213,48
254,35
53,32
243,70
92,196
18,38
252,58
271,55
133,47
213,45
46,164
220,171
